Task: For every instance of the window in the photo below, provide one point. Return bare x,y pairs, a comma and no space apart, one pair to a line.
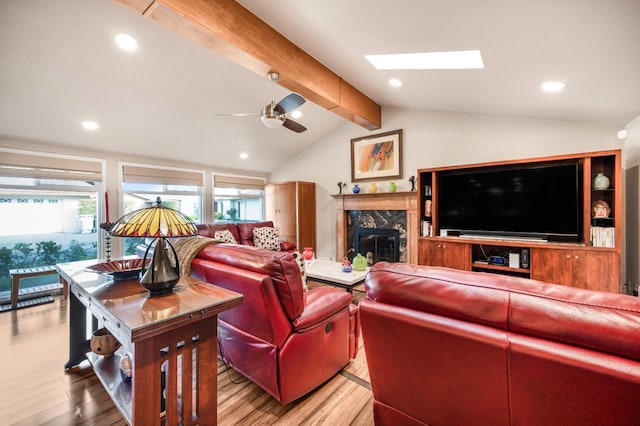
50,209
178,189
237,198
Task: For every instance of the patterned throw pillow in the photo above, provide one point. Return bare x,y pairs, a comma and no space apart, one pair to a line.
303,272
266,238
226,236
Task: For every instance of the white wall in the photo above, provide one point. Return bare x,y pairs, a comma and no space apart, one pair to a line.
632,203
435,139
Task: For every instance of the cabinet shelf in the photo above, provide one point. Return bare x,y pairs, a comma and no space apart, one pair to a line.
489,266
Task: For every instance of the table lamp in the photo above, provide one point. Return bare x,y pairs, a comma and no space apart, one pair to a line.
160,275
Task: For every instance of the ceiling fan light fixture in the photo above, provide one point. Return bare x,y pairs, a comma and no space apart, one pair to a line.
272,121
271,118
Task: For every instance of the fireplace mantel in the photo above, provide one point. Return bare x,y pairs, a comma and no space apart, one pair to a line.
407,201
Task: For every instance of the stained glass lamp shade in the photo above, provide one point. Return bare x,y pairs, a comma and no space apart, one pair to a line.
160,222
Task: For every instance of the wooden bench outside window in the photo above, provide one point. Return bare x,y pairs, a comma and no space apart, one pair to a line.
18,274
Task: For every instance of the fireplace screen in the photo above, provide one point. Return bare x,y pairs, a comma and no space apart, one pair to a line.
384,244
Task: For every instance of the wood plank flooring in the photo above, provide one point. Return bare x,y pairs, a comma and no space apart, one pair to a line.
35,389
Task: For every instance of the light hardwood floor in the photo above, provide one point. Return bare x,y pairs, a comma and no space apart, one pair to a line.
35,389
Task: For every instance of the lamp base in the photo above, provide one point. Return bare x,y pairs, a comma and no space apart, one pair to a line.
159,289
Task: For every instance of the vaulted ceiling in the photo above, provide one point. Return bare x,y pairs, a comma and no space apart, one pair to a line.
59,66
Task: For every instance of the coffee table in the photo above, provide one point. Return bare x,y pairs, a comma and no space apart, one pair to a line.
329,272
171,339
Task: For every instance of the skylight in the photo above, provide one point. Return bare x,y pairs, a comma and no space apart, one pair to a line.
451,60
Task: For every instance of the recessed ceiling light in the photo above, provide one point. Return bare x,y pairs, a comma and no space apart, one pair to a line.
126,42
553,86
394,82
622,134
296,114
244,155
90,125
452,60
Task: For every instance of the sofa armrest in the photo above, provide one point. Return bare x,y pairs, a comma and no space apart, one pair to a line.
288,246
320,304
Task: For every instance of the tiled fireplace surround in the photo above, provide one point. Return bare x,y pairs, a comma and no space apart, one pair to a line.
378,210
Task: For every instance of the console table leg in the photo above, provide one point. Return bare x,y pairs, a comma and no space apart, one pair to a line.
77,332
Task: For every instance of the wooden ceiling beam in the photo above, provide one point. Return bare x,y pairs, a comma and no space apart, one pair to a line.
232,31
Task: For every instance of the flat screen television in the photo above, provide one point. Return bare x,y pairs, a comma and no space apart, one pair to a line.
530,201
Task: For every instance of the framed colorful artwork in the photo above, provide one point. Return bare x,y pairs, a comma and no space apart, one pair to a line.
377,157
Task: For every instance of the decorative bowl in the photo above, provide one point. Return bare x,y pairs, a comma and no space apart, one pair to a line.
124,269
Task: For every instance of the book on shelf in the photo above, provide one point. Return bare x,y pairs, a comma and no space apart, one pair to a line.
602,236
426,229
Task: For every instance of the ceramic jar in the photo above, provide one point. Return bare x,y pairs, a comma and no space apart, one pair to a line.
373,188
307,253
103,342
392,187
601,182
356,189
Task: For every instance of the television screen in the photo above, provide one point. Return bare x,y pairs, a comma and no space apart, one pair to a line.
529,201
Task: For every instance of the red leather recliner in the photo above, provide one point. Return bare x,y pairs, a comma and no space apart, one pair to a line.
450,347
284,339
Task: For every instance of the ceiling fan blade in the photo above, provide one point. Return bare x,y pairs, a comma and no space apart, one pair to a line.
237,115
292,125
289,103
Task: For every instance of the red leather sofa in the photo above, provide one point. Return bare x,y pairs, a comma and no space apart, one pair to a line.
242,232
284,339
449,347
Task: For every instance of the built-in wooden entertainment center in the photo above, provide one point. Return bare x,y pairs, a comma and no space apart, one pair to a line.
590,262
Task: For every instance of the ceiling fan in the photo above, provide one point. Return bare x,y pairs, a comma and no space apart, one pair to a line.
274,114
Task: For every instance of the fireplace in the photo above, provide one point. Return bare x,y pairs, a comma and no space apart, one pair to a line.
386,210
383,244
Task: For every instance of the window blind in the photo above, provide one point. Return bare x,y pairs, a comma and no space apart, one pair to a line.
136,174
36,166
228,181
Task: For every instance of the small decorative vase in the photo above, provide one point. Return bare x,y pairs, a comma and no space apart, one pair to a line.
356,189
359,263
126,369
373,188
601,182
392,187
307,253
103,342
346,265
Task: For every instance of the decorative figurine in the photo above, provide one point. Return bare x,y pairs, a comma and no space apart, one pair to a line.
341,186
346,265
600,209
369,258
412,181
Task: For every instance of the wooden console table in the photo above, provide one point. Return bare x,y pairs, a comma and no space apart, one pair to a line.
171,339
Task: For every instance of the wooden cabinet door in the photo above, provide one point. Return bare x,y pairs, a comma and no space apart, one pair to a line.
596,270
445,253
428,252
287,211
271,202
280,207
456,255
552,265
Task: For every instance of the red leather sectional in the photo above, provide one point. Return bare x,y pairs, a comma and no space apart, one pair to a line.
449,347
242,232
